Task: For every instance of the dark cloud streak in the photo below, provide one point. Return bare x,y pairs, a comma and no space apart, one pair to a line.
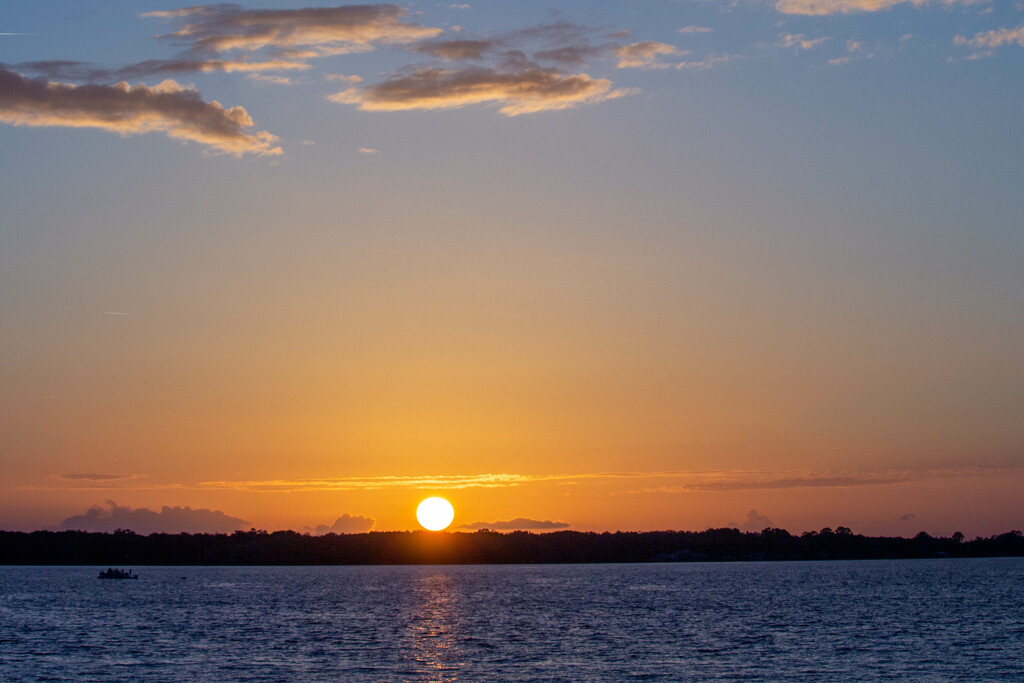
571,55
457,49
98,477
522,523
796,483
523,92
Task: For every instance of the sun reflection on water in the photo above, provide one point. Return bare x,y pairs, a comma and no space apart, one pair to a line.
434,628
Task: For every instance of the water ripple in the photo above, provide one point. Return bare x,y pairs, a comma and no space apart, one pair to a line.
916,620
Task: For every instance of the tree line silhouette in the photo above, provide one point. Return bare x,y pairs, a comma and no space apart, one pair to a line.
253,547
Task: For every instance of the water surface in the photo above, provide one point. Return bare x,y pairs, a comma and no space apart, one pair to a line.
911,620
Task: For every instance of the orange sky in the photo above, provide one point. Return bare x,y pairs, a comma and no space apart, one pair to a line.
609,269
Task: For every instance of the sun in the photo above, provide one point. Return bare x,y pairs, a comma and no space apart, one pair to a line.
435,513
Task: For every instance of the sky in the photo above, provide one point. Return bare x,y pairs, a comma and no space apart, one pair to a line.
601,265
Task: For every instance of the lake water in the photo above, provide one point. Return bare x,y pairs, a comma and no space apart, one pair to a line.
924,620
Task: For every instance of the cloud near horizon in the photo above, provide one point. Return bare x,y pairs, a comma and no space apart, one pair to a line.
519,523
167,108
754,522
526,91
170,520
347,524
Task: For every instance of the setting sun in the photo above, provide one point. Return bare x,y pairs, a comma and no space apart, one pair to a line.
435,513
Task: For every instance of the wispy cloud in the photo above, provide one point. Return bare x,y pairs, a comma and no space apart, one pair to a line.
645,55
285,40
754,482
246,66
58,68
168,108
661,482
695,29
993,39
824,7
706,63
571,55
313,31
344,78
372,483
519,71
657,482
512,76
553,35
855,50
99,477
798,41
457,49
86,71
522,523
270,78
527,91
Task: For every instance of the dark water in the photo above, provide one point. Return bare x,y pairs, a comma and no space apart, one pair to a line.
930,620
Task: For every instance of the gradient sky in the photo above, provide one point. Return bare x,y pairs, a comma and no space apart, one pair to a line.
606,264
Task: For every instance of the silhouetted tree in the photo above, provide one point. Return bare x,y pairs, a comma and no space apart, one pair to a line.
257,547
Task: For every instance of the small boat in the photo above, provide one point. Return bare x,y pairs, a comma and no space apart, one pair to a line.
118,574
